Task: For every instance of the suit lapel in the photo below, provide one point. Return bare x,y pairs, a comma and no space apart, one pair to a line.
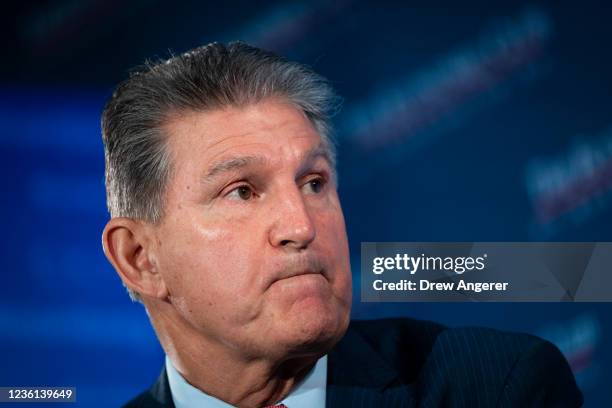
159,395
359,376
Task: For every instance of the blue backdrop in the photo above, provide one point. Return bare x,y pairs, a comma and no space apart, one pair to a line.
471,122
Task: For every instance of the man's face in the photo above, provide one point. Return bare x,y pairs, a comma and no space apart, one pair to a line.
252,246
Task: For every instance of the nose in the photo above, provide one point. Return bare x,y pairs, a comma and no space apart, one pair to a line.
292,227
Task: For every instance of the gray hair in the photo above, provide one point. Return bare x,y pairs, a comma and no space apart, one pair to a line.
137,162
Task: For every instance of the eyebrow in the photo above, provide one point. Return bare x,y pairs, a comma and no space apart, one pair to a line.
313,154
231,164
234,163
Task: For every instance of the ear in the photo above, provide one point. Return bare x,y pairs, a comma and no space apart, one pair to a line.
128,246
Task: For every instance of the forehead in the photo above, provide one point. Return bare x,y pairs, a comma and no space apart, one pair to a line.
267,127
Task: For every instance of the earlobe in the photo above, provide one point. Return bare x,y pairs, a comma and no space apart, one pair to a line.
126,244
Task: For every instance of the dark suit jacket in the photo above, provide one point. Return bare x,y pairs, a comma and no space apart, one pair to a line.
411,363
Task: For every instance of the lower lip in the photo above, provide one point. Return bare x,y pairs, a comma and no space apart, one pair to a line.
306,284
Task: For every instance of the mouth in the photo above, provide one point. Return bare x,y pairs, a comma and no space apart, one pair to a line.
287,275
302,285
296,274
307,272
299,267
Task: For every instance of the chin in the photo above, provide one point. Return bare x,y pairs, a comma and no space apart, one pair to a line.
316,331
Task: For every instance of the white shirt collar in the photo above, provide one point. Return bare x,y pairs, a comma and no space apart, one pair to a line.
309,393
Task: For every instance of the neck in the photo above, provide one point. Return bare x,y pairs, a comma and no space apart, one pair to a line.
226,372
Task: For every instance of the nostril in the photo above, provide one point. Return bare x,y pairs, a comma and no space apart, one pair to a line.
285,242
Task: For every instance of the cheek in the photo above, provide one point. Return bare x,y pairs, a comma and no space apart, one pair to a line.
333,243
331,229
208,266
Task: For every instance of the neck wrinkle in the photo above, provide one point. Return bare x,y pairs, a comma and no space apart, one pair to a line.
239,381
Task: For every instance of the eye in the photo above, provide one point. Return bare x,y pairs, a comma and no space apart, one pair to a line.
242,192
315,185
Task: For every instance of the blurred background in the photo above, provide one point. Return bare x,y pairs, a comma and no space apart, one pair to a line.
479,121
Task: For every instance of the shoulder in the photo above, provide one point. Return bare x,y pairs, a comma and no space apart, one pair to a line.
497,368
